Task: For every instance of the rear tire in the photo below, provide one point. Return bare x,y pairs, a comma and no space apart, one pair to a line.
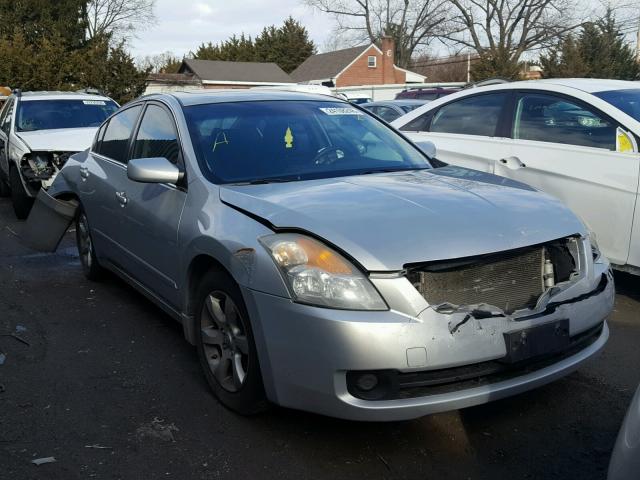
22,202
90,265
225,344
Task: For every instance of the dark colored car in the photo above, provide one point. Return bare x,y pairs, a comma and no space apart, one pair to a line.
391,109
426,93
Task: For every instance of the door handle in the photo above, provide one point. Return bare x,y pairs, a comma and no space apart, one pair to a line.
122,198
514,163
84,173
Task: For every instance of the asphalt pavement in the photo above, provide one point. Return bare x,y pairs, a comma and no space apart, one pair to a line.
97,377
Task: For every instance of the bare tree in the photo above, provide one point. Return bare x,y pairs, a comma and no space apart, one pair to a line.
166,62
412,23
118,18
501,31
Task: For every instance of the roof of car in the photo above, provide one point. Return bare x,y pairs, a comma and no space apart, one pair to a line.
590,85
250,95
400,102
61,96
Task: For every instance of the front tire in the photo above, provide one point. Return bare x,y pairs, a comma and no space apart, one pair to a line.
90,265
22,202
225,344
5,190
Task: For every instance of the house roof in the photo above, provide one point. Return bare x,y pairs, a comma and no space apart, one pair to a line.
250,72
326,65
172,78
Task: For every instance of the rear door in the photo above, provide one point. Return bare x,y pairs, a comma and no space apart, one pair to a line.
151,214
103,178
571,150
468,132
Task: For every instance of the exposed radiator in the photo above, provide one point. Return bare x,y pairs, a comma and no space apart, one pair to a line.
510,281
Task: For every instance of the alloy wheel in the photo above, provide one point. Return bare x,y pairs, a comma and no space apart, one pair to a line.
224,340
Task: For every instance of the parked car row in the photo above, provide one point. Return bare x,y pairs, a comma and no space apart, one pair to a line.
319,261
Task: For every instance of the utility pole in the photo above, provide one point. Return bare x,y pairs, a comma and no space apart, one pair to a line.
638,43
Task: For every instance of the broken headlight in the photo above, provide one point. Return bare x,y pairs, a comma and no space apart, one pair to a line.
318,275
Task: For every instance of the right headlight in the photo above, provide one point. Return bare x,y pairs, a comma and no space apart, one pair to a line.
318,275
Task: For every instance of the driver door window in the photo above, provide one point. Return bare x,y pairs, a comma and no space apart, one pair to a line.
5,119
157,136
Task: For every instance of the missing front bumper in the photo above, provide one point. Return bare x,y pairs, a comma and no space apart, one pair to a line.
48,222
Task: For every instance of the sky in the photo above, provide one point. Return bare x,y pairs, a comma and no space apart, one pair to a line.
183,25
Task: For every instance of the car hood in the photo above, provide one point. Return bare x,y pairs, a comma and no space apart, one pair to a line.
59,140
386,221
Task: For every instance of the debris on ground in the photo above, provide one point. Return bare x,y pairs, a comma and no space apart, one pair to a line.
157,429
41,461
3,358
20,328
20,339
99,447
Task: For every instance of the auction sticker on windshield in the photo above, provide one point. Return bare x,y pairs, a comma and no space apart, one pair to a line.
94,102
340,111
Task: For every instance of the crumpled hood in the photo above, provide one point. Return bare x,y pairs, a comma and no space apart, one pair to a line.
59,140
386,221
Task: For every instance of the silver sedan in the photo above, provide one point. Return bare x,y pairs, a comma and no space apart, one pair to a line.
320,261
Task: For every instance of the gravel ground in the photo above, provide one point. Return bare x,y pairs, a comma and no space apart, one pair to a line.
106,384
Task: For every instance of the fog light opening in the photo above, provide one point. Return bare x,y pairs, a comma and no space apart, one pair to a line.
367,382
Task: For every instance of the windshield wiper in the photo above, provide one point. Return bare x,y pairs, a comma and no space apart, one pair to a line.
387,170
264,181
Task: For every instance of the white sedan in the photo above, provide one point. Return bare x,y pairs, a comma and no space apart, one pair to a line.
576,139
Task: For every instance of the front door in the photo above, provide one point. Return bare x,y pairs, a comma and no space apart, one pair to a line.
466,132
151,213
571,151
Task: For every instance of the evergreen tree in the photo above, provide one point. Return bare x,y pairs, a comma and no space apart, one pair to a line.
598,52
288,46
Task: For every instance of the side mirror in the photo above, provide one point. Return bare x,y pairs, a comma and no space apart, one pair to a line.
428,148
153,170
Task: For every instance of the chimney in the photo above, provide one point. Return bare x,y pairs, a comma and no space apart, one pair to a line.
388,47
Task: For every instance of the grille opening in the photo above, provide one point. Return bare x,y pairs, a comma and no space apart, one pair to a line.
510,281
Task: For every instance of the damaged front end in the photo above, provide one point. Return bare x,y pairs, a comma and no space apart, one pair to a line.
39,169
501,284
495,319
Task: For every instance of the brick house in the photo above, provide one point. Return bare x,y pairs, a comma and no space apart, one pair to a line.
364,65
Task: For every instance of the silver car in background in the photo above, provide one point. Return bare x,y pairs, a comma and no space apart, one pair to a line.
318,261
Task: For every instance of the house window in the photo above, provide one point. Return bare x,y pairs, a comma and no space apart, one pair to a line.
371,61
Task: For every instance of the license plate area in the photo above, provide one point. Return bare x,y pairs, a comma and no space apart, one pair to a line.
537,341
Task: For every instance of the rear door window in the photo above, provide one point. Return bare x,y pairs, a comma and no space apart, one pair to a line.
116,137
549,118
477,115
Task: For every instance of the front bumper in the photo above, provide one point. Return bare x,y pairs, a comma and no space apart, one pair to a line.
305,352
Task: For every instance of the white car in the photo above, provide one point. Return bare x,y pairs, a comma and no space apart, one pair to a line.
39,131
576,139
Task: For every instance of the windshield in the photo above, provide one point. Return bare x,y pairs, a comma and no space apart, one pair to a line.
51,114
626,100
294,140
